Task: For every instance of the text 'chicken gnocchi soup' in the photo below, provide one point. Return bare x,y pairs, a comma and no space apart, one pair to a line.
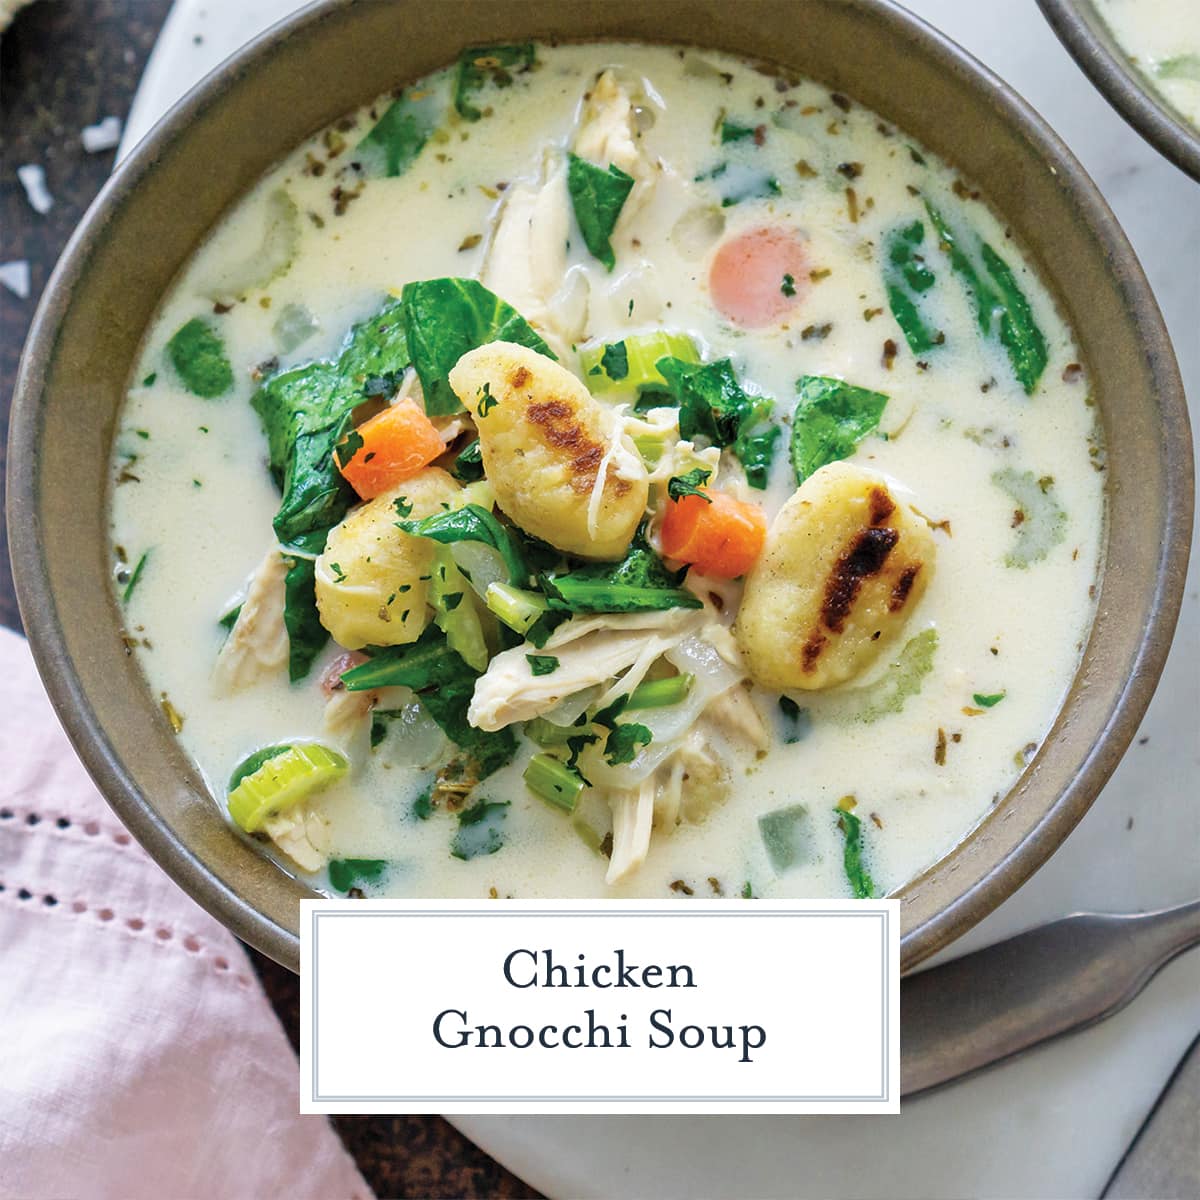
608,470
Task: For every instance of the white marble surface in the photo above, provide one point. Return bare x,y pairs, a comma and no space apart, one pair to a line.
1055,1123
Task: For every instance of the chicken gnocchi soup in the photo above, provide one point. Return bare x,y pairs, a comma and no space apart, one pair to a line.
608,470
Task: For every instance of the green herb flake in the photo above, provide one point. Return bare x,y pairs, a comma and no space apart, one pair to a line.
486,400
422,806
788,286
796,720
149,380
989,701
197,352
733,131
542,664
134,577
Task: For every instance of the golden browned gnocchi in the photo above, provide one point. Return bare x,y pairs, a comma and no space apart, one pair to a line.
845,563
559,464
372,580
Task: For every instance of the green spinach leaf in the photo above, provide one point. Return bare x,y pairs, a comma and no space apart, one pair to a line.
479,66
444,319
624,741
689,484
396,139
197,352
906,279
306,635
597,196
831,418
474,523
480,829
347,873
861,883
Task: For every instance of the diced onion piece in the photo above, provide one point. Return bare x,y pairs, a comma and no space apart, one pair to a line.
282,781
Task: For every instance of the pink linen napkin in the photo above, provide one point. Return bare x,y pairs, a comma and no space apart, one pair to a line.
139,1056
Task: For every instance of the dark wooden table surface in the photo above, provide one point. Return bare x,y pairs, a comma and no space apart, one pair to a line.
65,64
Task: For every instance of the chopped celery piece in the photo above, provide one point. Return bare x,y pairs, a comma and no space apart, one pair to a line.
659,693
629,366
283,781
592,820
781,833
516,607
545,733
651,446
1043,521
251,764
553,781
454,611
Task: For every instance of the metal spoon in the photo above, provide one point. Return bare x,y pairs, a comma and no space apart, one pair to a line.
985,1007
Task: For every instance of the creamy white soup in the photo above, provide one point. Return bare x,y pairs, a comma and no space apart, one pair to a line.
1162,39
608,470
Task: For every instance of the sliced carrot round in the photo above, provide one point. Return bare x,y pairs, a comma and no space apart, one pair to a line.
759,276
396,444
719,536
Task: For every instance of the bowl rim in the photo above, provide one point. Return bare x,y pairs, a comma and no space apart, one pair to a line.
1089,41
82,724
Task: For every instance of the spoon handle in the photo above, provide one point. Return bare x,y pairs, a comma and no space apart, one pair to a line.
986,1006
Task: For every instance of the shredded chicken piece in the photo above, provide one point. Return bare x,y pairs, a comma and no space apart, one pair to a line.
345,711
526,259
622,456
258,642
633,819
607,135
508,691
735,714
302,833
686,787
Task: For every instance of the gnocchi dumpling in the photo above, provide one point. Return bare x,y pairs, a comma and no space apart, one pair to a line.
372,579
845,563
558,460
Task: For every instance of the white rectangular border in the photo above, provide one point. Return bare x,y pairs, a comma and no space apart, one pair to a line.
886,913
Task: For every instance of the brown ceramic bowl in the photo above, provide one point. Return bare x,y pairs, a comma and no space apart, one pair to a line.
334,55
1083,31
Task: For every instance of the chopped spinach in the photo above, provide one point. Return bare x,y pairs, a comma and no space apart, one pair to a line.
306,635
861,883
902,680
444,684
396,139
689,484
831,418
906,279
480,829
615,361
422,806
715,407
479,66
796,720
624,740
474,523
347,873
542,664
197,352
639,582
444,319
305,412
998,298
783,835
468,466
597,196
1039,521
